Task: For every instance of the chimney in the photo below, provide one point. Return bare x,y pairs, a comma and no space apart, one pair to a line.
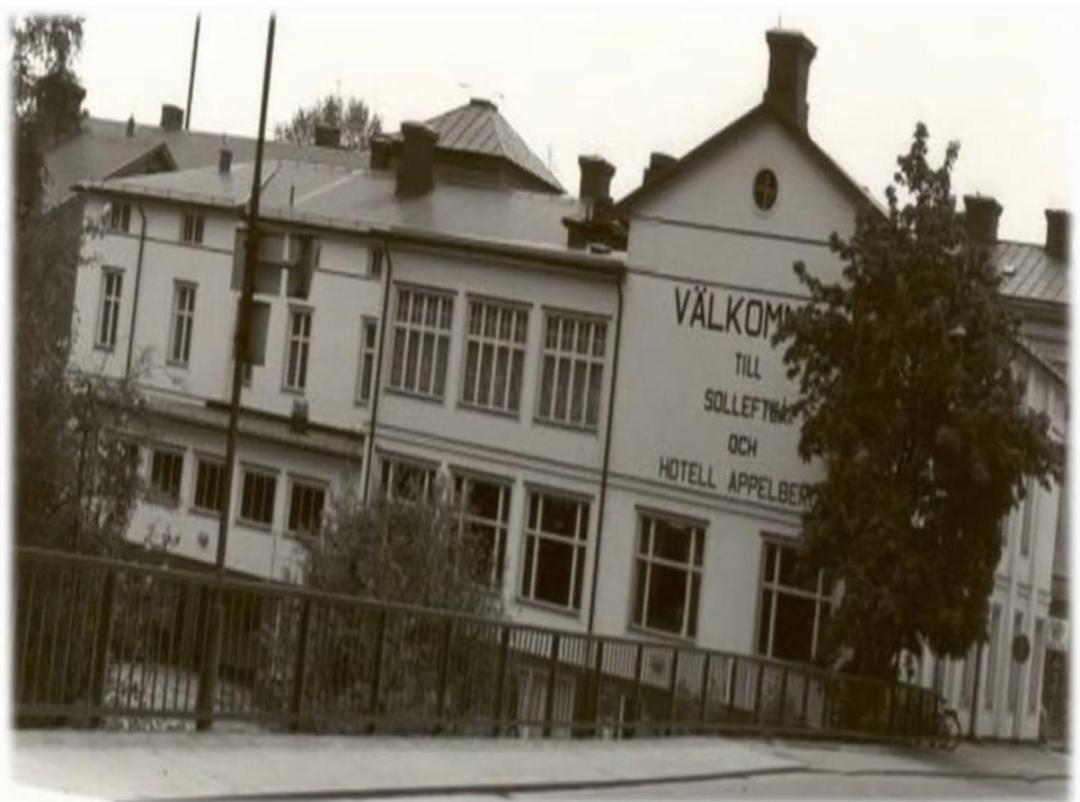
596,173
380,152
327,136
982,213
415,168
172,117
790,54
659,163
130,130
1057,234
224,160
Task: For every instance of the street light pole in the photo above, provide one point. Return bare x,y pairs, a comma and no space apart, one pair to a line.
208,680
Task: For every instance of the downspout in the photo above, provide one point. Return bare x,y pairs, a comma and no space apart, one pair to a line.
135,297
607,459
378,371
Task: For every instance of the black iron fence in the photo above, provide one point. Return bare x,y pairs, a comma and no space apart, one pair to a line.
101,642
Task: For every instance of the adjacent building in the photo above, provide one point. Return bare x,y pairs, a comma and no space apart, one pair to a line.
594,378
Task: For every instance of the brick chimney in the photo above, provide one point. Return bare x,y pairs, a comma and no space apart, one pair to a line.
172,117
981,214
659,163
327,136
790,54
1057,234
596,173
415,167
129,131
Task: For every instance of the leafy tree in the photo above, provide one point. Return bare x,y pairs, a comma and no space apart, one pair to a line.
908,397
355,119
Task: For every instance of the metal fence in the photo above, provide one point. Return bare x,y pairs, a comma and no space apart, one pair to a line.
105,643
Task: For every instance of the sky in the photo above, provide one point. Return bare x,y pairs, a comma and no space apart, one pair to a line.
623,83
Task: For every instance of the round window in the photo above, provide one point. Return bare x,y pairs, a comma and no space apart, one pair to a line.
765,190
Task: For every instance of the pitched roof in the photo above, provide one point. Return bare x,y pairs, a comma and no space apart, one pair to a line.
730,133
101,149
1029,273
479,128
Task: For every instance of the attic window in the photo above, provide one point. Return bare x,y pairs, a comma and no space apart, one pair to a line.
765,190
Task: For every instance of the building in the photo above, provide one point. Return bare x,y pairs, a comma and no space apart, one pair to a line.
596,377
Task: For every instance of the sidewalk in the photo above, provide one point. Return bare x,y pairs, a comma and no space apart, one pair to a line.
127,766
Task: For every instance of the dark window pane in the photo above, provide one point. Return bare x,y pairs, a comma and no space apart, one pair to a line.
667,598
559,516
794,629
671,541
484,499
553,570
639,593
763,622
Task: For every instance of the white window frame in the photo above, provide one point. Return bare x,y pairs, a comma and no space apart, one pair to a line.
406,364
264,473
494,329
463,482
183,321
534,536
304,484
120,217
369,354
112,293
390,464
297,349
559,354
219,463
192,226
645,561
772,585
157,494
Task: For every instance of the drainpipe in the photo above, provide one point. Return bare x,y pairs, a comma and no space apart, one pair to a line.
135,297
388,275
607,460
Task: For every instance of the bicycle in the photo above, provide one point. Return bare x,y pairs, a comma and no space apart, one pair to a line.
946,731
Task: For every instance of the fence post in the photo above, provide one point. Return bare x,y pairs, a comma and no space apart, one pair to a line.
102,636
376,678
758,690
805,700
598,678
549,697
300,672
783,695
500,683
444,671
673,689
639,669
705,688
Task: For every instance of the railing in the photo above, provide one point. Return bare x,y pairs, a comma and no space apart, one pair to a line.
101,642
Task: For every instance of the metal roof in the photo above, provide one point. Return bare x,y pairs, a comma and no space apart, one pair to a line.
1029,273
479,128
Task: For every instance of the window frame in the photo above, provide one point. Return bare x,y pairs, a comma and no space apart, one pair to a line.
197,218
155,494
694,567
579,544
419,330
219,462
109,304
360,398
179,287
389,461
501,525
512,347
820,595
558,354
250,469
303,341
123,208
305,483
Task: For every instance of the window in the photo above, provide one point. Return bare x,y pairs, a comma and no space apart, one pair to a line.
991,657
375,263
183,319
1037,651
112,283
555,536
365,376
495,355
257,499
407,481
191,227
120,217
485,513
299,344
1015,668
668,582
572,370
209,485
766,189
421,342
166,468
794,608
306,501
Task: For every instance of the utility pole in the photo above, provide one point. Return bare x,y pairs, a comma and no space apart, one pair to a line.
208,679
191,78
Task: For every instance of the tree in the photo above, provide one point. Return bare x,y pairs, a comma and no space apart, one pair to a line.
352,116
908,397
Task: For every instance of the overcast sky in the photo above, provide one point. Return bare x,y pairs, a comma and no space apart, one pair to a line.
624,83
